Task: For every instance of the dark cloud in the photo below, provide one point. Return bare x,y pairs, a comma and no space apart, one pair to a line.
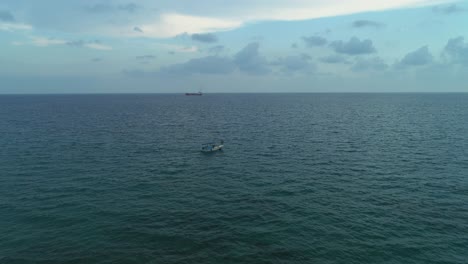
249,60
207,38
295,63
6,16
372,64
314,41
366,23
205,65
448,10
333,59
294,46
146,57
216,49
419,57
137,29
96,59
457,50
353,47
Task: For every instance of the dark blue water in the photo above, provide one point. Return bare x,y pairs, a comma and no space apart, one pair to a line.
304,178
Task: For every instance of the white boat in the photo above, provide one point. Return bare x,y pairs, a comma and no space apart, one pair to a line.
212,146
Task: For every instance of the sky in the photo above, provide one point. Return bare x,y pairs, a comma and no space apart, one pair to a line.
221,46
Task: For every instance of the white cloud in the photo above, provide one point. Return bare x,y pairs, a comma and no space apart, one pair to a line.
302,9
164,19
44,42
17,43
239,13
98,46
188,49
170,25
14,26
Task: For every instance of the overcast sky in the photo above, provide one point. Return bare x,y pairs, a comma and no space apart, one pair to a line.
74,46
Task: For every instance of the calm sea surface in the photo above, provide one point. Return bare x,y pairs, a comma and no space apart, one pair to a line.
304,178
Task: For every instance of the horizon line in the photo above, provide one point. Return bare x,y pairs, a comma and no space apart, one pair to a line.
183,93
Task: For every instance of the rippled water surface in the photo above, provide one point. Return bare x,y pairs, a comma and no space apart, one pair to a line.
304,178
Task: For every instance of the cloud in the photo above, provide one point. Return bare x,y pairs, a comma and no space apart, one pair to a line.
353,47
130,7
313,41
137,29
171,25
448,10
250,61
295,63
6,16
17,43
137,73
99,8
216,49
372,64
167,19
457,50
14,26
104,8
294,46
146,57
75,43
366,23
333,59
419,57
177,48
96,44
205,65
205,17
45,42
96,59
207,38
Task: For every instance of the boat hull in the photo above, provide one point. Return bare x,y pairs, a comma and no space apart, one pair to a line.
214,149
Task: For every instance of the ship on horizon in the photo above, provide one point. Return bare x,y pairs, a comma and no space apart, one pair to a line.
196,94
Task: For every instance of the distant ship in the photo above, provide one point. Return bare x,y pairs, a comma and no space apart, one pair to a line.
196,94
199,93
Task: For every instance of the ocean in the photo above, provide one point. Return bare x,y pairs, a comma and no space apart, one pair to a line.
303,178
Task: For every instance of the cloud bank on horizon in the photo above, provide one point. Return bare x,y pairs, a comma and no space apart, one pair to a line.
401,45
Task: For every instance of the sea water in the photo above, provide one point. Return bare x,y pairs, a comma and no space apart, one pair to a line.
303,178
